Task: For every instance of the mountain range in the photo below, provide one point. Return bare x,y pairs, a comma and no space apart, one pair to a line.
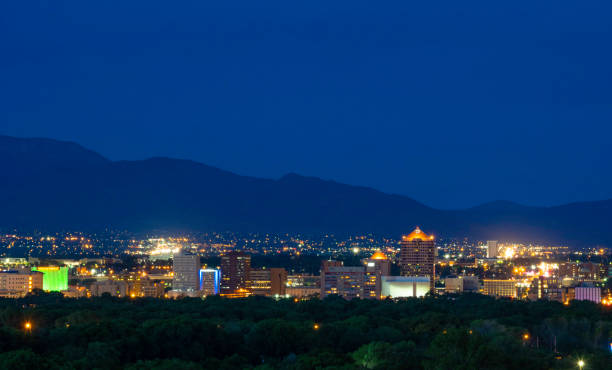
54,185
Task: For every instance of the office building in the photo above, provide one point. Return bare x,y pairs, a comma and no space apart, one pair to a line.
500,288
186,268
235,275
210,281
347,282
377,266
418,255
261,282
18,283
492,249
405,286
269,282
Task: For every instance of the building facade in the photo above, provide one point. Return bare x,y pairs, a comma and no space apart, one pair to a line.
186,268
346,282
500,288
210,281
418,255
405,286
492,249
18,283
236,275
377,266
588,293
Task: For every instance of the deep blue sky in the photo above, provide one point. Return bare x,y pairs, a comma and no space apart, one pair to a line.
452,103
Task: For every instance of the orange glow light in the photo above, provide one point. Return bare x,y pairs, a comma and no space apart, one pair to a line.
417,234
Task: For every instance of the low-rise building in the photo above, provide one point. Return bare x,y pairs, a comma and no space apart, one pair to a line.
18,283
500,288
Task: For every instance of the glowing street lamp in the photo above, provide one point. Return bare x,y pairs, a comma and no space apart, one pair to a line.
27,326
580,364
316,327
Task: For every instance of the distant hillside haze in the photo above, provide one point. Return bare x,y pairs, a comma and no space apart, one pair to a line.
54,185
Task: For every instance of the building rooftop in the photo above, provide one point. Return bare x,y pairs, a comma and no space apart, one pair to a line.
417,234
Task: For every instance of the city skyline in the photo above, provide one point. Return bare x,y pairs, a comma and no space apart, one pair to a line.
305,185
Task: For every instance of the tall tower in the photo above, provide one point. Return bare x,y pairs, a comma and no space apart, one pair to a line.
186,267
418,255
236,274
492,249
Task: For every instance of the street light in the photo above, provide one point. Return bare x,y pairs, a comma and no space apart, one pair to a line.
28,326
580,364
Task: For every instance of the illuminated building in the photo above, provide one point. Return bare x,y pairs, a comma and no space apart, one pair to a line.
492,249
261,283
235,274
418,255
145,287
210,281
568,269
405,286
55,279
186,267
588,293
376,267
16,284
460,284
301,286
500,288
347,282
269,282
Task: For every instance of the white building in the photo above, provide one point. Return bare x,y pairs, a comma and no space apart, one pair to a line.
405,286
186,269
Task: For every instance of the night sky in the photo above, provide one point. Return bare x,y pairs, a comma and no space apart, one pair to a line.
451,103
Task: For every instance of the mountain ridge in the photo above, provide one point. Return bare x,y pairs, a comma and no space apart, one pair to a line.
50,184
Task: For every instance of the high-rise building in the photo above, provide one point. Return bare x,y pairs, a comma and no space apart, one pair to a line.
210,281
492,249
235,274
418,255
347,282
377,266
18,283
186,267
